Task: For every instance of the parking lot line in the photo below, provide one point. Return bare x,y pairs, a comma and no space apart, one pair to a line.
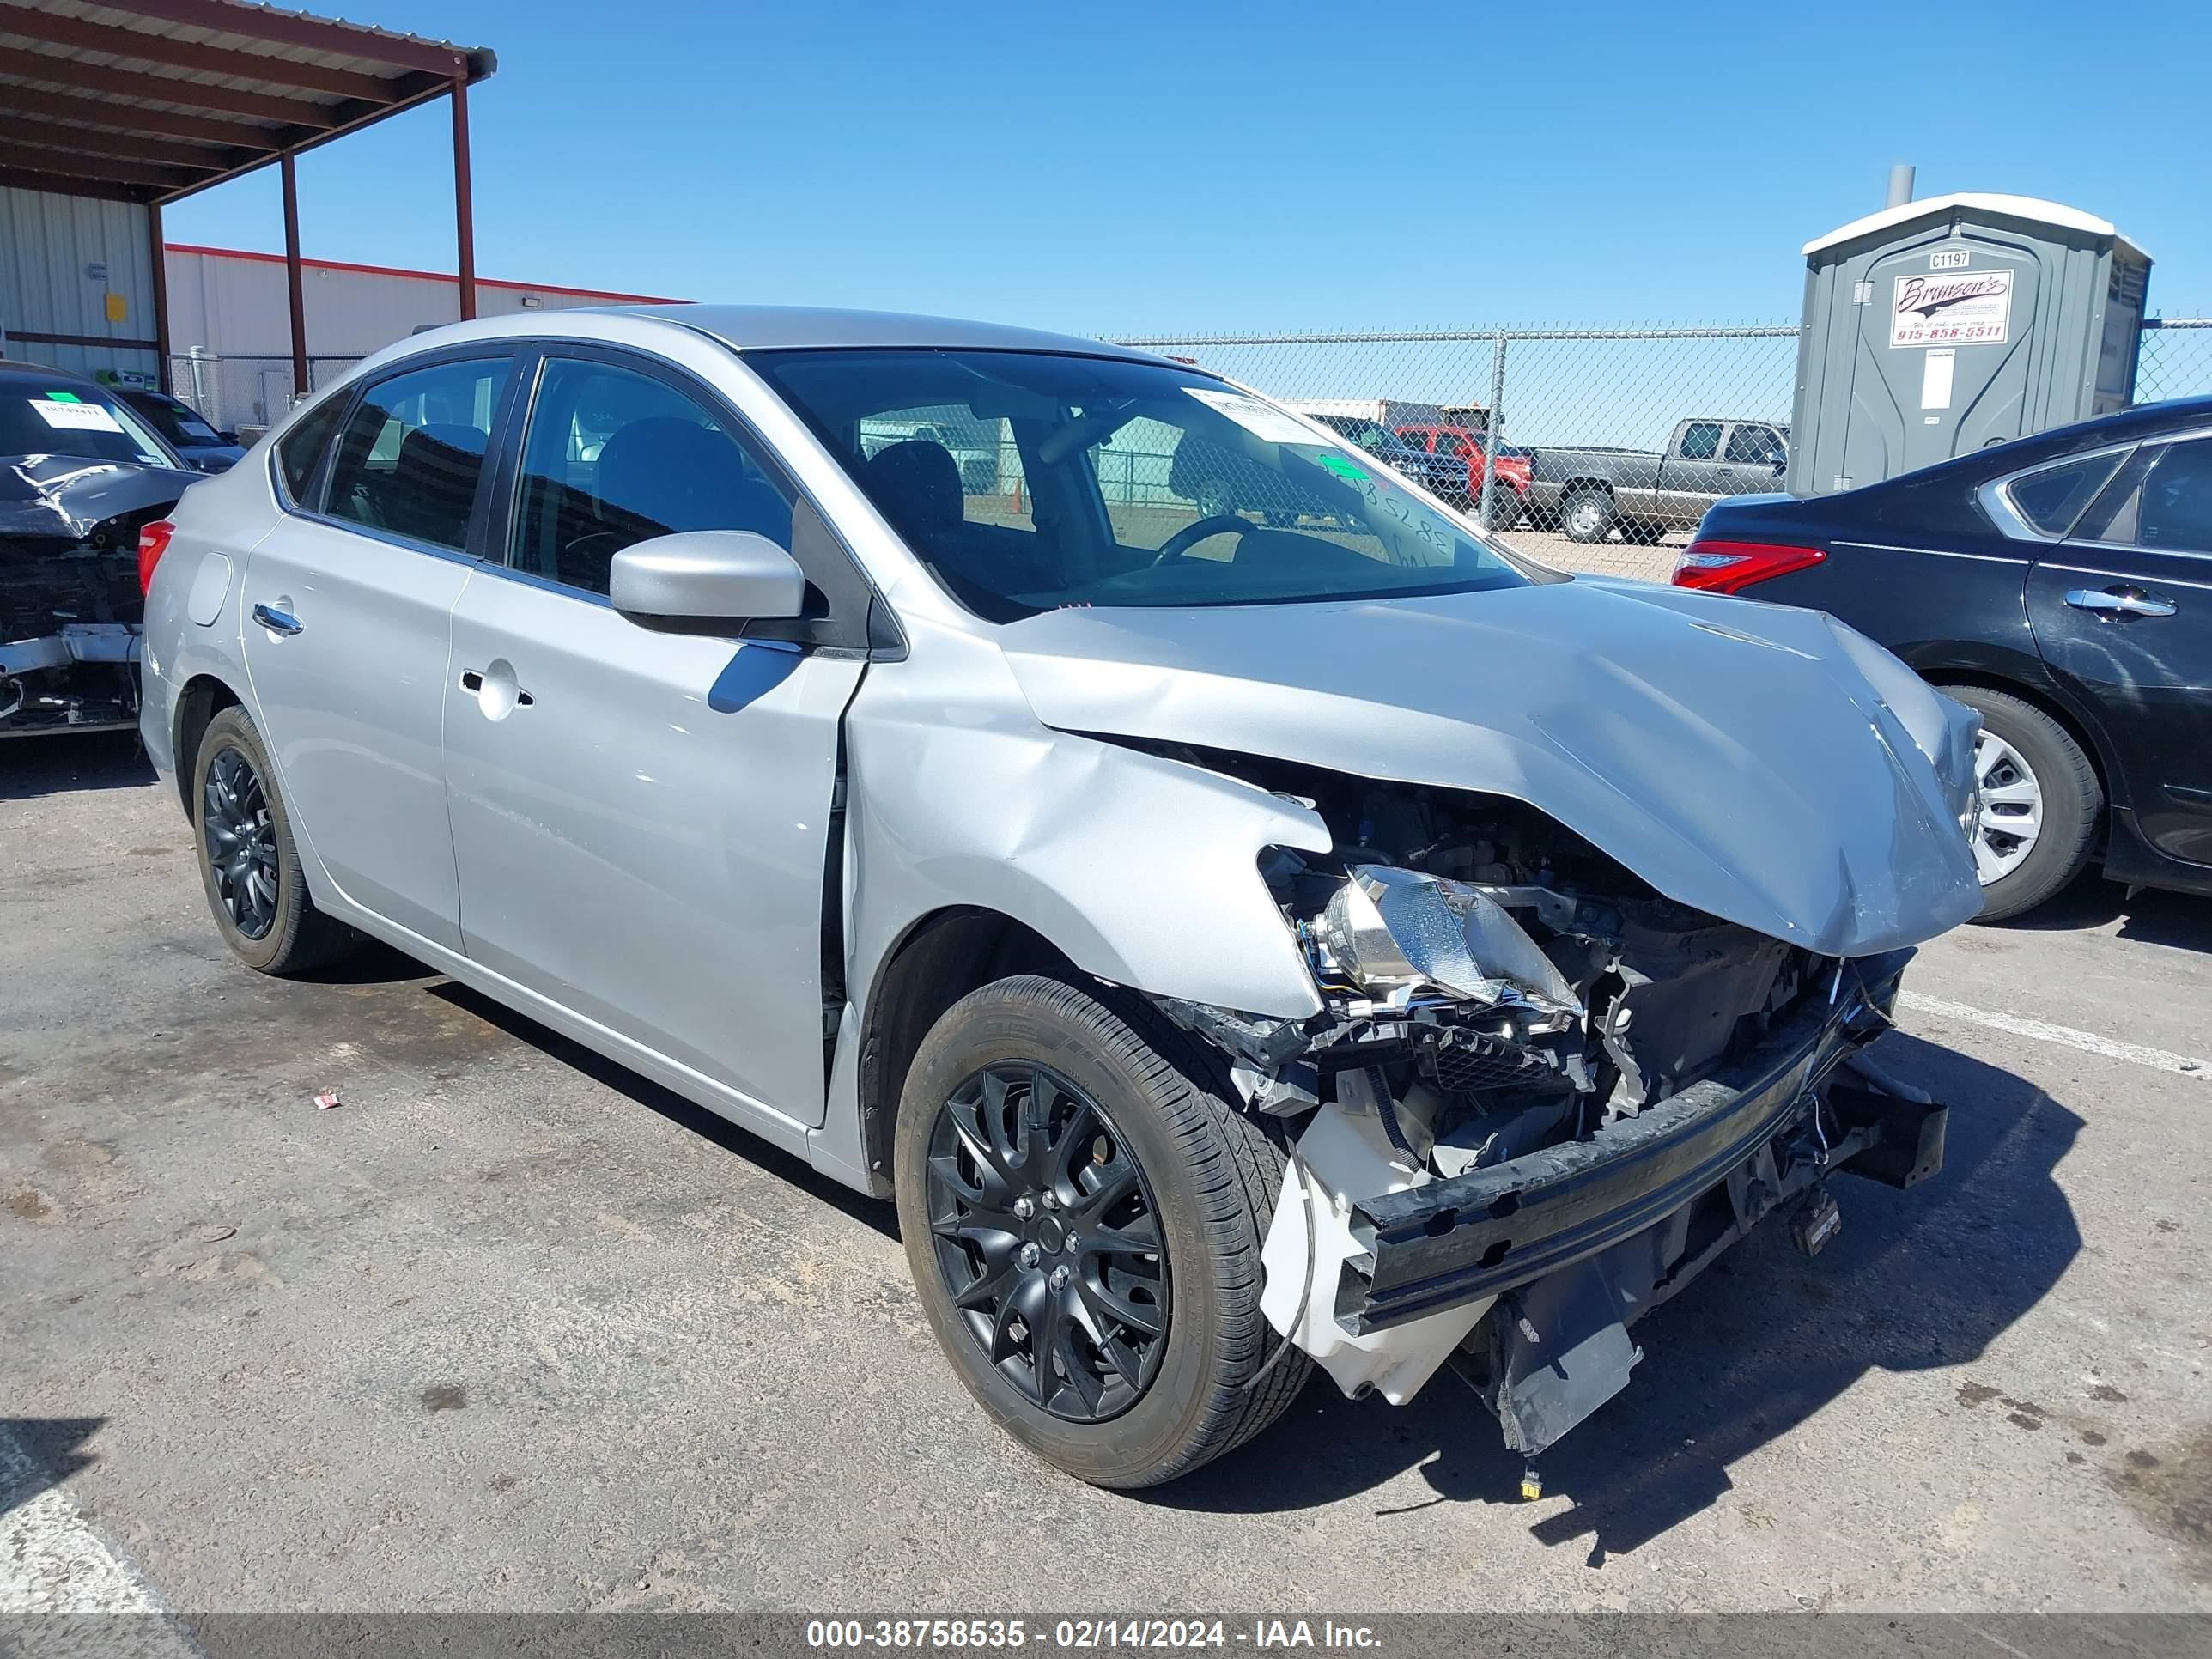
2042,1032
50,1560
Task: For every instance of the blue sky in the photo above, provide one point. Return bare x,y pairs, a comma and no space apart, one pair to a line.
1141,167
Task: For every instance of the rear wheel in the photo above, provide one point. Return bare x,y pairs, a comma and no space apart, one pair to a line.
1587,516
249,865
2040,801
1083,1214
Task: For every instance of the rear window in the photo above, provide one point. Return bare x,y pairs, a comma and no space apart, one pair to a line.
64,420
2051,500
300,450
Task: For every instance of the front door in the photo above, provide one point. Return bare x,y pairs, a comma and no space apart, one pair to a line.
642,819
349,604
2123,613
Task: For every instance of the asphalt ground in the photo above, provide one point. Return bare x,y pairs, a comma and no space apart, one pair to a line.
511,1328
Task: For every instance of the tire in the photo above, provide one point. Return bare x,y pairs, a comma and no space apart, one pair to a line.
1216,1373
1587,516
286,934
2018,738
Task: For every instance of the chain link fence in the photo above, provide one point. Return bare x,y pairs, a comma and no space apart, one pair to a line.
2174,360
1583,416
1566,405
243,394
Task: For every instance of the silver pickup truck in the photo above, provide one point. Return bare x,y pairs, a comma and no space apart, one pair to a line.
1645,493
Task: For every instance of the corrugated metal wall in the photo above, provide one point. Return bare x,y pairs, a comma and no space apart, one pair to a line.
50,245
235,306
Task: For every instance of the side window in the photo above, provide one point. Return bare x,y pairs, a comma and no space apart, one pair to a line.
1755,446
2051,499
2174,512
1701,440
1418,439
299,450
613,457
411,453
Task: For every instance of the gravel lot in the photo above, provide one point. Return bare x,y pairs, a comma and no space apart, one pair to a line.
513,1329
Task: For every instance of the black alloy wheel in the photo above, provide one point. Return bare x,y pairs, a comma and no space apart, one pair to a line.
240,843
1049,1238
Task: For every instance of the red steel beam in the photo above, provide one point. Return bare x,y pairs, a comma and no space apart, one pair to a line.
167,124
55,184
84,140
160,295
294,292
464,212
316,33
88,36
111,168
74,72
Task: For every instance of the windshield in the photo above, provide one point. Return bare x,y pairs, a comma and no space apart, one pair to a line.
179,421
1030,481
62,420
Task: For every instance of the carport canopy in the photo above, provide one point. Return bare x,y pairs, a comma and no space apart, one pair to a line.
150,100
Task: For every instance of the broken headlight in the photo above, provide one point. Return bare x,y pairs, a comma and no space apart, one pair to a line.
1393,933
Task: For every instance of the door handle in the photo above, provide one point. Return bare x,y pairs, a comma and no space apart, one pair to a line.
2118,602
472,681
276,622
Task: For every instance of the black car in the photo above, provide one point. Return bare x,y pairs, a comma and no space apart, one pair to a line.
203,448
80,475
2061,583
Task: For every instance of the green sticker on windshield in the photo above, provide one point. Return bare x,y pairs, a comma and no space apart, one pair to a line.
1342,468
63,398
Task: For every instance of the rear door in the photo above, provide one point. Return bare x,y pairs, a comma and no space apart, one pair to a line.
348,602
643,820
2121,613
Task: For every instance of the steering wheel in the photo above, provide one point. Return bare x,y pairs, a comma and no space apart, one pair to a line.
1215,523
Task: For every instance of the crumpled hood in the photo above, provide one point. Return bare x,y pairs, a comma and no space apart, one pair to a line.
69,496
1767,765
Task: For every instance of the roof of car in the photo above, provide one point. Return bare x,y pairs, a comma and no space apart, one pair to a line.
771,328
15,368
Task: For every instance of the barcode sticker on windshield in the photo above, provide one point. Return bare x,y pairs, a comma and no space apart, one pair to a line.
1269,426
75,417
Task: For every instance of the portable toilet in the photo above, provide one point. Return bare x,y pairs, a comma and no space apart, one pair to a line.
1938,326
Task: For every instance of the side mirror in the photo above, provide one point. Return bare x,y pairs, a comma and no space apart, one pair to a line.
702,576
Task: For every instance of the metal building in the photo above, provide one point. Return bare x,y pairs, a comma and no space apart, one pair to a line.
110,108
230,340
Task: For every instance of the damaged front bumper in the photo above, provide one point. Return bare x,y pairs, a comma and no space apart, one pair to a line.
1525,1274
1491,1230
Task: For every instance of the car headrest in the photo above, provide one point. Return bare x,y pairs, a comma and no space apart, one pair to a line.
433,481
664,474
916,483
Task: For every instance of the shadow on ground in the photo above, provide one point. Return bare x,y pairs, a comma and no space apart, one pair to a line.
32,767
1918,1280
874,1213
37,1453
2183,920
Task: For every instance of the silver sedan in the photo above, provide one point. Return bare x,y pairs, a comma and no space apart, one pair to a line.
1247,920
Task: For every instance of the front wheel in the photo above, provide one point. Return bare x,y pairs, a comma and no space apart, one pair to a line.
1083,1214
2040,801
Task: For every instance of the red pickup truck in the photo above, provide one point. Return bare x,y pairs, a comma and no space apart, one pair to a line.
1511,496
